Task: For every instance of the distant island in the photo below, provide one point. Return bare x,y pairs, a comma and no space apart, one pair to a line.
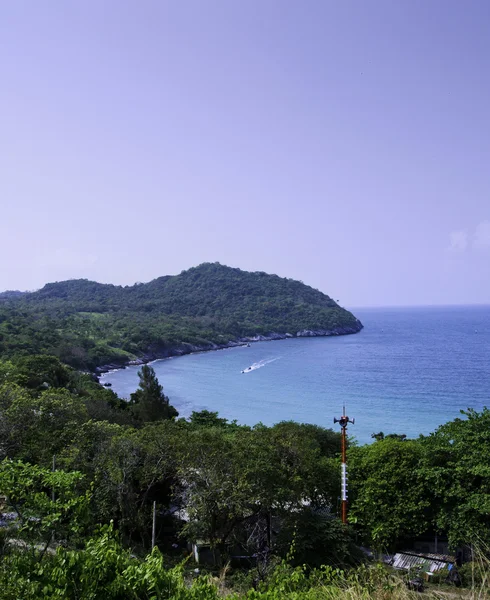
93,326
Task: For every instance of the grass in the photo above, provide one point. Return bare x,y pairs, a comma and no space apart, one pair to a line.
368,582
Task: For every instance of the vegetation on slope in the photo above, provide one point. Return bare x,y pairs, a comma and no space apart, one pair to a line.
87,324
263,498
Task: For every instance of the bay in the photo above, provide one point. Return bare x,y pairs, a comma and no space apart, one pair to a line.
408,371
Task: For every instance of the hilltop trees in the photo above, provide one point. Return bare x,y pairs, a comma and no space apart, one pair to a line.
87,324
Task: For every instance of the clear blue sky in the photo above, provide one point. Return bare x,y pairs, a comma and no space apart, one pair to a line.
343,143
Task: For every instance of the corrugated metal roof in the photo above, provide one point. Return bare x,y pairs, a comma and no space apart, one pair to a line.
431,562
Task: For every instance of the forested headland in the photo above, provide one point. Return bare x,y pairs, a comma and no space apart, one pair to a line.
88,324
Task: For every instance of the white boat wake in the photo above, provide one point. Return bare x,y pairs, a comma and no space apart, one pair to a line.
260,364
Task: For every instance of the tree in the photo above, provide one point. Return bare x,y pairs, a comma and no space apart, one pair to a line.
149,401
133,468
45,503
41,426
390,501
39,371
206,418
393,436
456,470
234,480
317,540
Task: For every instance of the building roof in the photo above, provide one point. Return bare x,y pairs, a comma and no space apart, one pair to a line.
433,562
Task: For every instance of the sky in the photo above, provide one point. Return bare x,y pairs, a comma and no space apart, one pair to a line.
345,144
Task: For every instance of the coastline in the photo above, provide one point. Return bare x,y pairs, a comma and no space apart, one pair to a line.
184,348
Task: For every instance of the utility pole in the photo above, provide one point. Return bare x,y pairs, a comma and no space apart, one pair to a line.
53,495
53,470
154,525
343,421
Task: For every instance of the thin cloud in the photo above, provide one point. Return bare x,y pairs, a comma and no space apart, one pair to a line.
458,240
481,237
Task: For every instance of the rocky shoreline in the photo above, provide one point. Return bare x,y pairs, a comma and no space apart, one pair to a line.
186,348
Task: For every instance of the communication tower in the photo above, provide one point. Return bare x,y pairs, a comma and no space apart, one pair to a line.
343,422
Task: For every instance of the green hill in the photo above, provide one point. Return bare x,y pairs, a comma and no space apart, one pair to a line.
88,324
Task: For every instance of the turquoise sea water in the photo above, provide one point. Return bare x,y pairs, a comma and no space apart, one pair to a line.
408,371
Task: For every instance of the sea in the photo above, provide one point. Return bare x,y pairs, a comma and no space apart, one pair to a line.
408,371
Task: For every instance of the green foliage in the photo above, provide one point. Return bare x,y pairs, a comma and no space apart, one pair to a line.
319,539
103,569
46,503
246,491
390,500
235,478
401,488
38,372
227,477
206,418
457,471
475,574
329,583
394,436
36,428
440,576
232,481
133,468
148,401
87,324
255,492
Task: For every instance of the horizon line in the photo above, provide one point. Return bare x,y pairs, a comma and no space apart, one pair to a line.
435,305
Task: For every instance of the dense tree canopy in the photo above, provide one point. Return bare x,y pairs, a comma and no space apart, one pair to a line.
391,504
81,470
456,470
435,484
260,493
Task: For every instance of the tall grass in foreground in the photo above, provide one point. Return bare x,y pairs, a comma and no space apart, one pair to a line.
475,575
104,569
376,582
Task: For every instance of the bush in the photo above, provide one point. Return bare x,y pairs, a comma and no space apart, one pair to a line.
440,576
475,574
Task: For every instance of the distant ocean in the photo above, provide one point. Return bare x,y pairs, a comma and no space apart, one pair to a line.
408,371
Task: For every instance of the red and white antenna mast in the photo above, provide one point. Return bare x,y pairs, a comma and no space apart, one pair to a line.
343,421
